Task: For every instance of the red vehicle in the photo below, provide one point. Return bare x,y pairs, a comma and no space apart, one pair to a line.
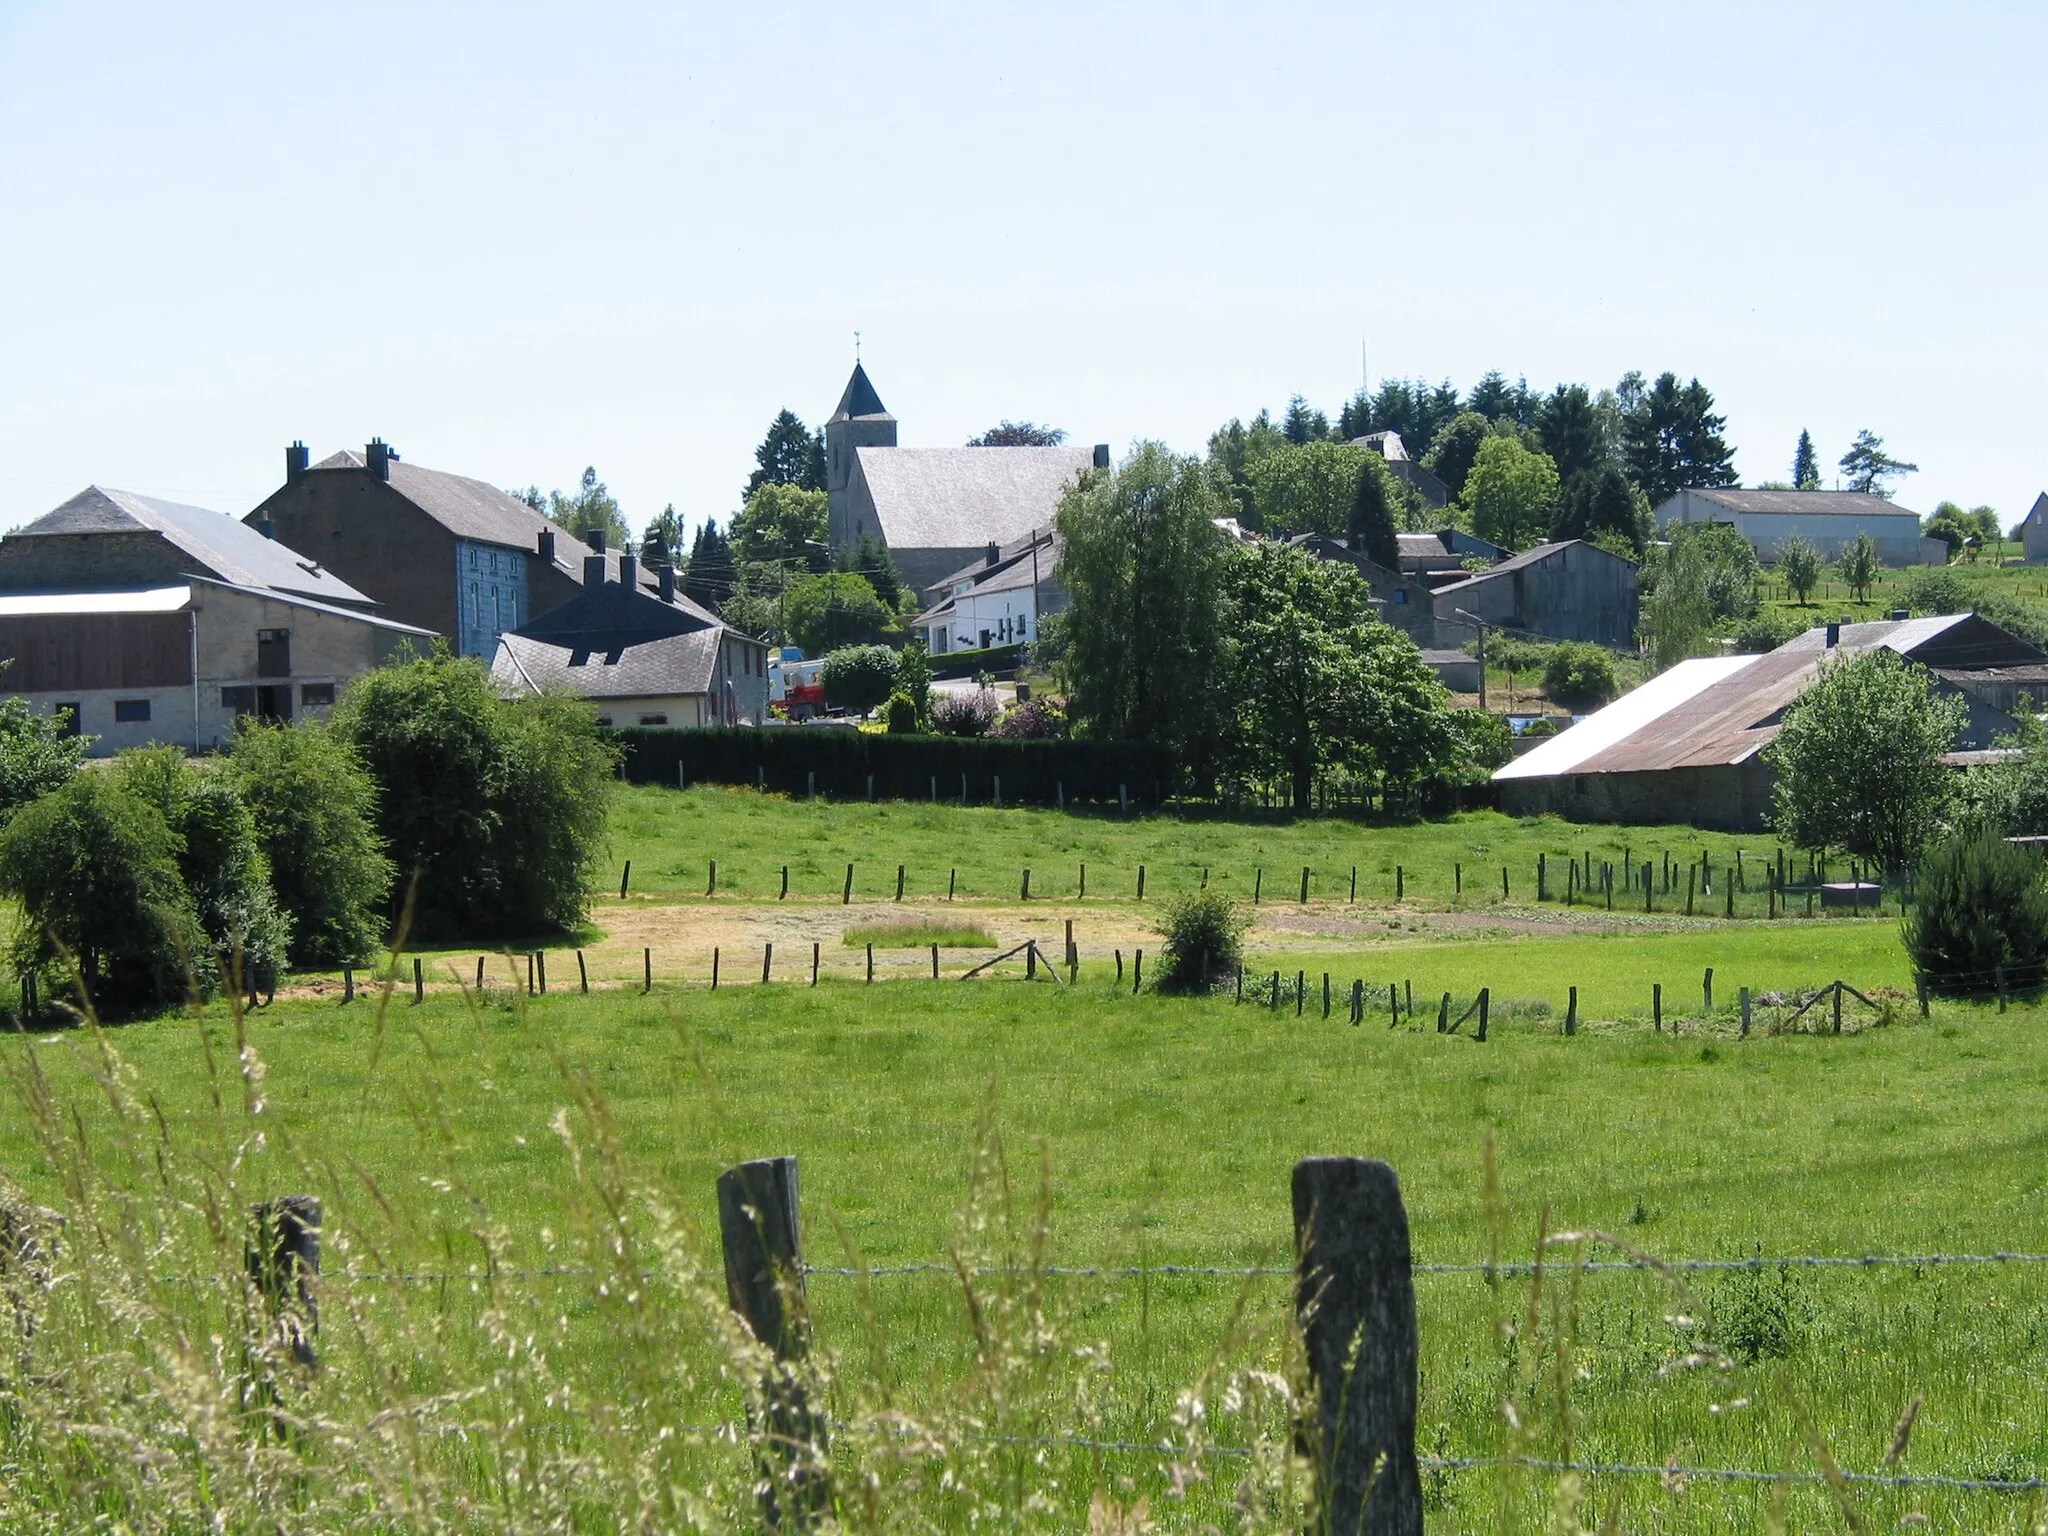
799,687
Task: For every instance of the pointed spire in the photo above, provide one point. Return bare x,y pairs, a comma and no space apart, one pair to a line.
860,399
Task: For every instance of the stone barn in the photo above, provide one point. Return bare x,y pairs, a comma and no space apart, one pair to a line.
1569,591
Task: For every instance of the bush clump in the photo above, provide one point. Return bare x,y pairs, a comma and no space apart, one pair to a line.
857,678
95,869
1981,904
1580,675
1033,720
902,715
495,807
1204,936
964,714
315,810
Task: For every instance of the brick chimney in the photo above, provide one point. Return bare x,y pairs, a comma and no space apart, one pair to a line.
667,576
595,539
377,458
593,571
547,545
1102,455
296,461
629,573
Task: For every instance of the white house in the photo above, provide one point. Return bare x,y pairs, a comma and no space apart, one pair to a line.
1828,520
998,600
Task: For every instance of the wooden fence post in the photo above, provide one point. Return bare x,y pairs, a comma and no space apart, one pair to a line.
1353,898
1443,1015
1745,1013
767,960
419,981
582,972
1542,880
1657,1006
871,964
1119,967
283,1258
1024,891
647,970
714,967
1137,970
1073,956
764,1282
1358,1002
1503,882
348,983
711,881
1141,882
1485,999
1326,994
952,878
1707,988
1304,885
935,962
1258,883
625,876
814,962
1920,986
1082,895
1838,1000
1354,1299
784,895
529,974
846,896
1275,1004
541,958
1571,1013
899,882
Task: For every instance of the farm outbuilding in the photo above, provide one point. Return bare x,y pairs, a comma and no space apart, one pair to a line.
1572,590
1828,520
1687,745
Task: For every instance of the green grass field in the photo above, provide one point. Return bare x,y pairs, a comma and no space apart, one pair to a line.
543,1171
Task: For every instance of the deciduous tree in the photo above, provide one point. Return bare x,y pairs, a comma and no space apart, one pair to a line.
1859,565
1799,564
593,509
824,613
1511,493
661,543
1308,488
1370,529
783,524
1858,759
1019,434
1455,446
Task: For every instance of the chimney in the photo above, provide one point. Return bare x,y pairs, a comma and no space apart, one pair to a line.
595,539
1102,455
995,552
1834,635
377,458
629,573
547,545
667,573
295,461
267,528
593,571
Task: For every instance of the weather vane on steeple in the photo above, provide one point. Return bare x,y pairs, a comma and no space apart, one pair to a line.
856,347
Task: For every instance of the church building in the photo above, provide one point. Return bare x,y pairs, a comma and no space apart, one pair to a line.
937,509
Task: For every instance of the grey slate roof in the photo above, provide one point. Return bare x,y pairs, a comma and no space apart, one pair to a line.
860,399
475,510
1802,503
232,551
663,667
1527,557
956,498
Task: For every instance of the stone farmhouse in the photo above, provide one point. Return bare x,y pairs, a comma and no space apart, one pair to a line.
2034,531
145,621
937,509
1828,520
998,600
440,551
642,658
1572,590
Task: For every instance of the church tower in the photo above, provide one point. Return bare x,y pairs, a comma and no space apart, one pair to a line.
861,421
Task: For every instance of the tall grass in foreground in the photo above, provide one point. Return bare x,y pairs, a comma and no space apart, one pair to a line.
591,1376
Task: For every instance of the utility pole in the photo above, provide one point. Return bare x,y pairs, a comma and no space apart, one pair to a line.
1480,625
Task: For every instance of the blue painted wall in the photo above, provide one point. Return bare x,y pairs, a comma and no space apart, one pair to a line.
490,595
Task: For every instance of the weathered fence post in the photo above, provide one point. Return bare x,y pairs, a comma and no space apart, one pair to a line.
541,958
1838,1001
783,895
1571,1013
935,962
1258,883
1542,880
871,964
419,981
952,879
1024,891
1326,994
1141,882
1354,1299
1275,1004
625,877
1707,988
1920,986
814,962
1304,885
1485,1000
1137,970
582,972
714,967
283,1258
846,896
1353,898
647,970
348,982
1443,1015
1119,967
764,1282
1503,882
1358,1001
1745,1013
1657,1006
711,880
1073,955
767,960
899,882
1082,895
479,975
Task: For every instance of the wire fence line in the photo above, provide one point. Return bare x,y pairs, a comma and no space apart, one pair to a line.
1506,1268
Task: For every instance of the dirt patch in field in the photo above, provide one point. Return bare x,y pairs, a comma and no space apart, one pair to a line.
1406,924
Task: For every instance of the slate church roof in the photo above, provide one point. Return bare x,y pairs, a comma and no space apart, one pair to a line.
962,498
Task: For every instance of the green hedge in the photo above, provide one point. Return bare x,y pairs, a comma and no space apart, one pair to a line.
783,759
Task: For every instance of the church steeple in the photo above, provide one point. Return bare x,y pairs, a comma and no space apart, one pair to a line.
861,421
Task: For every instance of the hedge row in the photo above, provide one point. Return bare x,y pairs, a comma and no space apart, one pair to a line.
784,759
996,659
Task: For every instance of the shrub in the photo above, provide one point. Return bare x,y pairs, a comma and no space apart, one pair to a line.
1766,631
1486,740
35,755
1935,589
914,680
1033,720
833,610
495,807
1204,935
219,860
902,714
95,869
1979,903
315,809
964,713
859,677
1579,674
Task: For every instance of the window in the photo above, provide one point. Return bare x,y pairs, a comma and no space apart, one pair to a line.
69,714
241,700
316,695
130,711
605,721
654,719
273,653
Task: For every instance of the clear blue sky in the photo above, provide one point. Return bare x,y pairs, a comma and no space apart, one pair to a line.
516,239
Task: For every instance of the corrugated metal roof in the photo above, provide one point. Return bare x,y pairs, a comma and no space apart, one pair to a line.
956,498
137,600
232,551
1573,750
1804,503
